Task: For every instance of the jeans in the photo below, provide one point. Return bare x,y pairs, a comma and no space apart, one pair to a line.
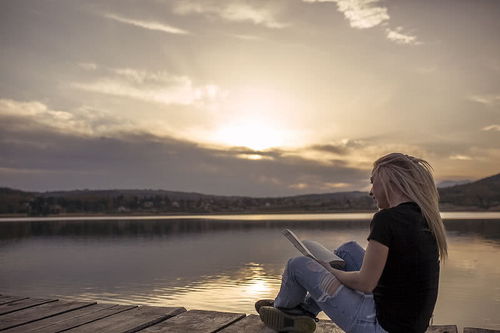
307,283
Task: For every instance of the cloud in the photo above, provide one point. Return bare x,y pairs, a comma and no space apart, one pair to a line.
83,121
310,182
362,14
88,66
493,127
487,100
365,14
150,25
230,11
342,147
396,35
247,37
158,87
42,148
339,185
460,157
54,159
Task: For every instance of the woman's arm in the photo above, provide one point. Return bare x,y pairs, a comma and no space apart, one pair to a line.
366,279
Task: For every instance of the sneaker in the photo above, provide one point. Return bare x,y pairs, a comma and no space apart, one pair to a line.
296,311
281,321
263,302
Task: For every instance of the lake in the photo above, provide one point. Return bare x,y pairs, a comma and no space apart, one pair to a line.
222,263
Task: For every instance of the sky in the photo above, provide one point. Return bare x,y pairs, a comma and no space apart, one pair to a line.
234,97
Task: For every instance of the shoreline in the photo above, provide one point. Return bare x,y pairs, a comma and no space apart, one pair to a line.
247,216
180,214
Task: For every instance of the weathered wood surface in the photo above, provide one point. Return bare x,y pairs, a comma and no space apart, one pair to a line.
196,321
252,323
22,304
27,315
8,299
132,320
71,319
442,329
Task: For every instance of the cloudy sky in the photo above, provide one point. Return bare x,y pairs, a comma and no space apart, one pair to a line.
237,97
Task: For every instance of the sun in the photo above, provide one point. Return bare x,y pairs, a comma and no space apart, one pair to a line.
256,122
252,133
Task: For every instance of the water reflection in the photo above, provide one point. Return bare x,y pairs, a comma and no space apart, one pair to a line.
219,264
155,228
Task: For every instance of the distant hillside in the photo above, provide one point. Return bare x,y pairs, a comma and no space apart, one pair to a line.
176,195
449,183
171,202
483,194
12,201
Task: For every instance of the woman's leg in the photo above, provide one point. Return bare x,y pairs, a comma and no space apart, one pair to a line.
310,285
303,275
353,255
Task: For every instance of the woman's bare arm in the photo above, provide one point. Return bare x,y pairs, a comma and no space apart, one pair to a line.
366,279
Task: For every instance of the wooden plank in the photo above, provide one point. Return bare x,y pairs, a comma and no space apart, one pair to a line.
250,323
196,321
23,304
39,325
442,329
253,324
479,330
75,322
130,321
28,315
8,299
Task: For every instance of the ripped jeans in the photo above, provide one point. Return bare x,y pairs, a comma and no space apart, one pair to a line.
306,282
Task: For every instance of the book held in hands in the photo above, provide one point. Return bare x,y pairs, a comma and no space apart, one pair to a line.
314,250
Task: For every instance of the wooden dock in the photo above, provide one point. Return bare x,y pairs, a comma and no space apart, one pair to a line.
24,314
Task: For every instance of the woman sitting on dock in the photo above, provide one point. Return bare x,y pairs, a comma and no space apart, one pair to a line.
391,286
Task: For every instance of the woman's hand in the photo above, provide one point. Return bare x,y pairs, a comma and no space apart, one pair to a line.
366,279
327,266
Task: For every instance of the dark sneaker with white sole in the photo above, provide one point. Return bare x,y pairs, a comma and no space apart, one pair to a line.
281,321
298,310
263,302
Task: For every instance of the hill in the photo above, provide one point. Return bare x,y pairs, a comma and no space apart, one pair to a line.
15,202
483,194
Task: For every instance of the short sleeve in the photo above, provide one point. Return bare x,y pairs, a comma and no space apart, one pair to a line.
380,228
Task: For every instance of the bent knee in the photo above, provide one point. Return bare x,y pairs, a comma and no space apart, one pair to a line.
299,262
303,264
351,245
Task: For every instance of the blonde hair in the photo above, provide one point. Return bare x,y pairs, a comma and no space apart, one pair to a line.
412,177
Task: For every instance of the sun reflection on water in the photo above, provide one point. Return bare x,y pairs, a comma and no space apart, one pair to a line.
226,292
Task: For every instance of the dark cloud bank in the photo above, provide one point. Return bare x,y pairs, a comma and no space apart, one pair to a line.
36,157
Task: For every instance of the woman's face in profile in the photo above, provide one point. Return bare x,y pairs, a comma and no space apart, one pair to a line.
377,192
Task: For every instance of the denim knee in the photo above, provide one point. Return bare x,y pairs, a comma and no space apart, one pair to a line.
349,247
298,263
353,255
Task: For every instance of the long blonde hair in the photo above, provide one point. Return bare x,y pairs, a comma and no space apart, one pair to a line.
412,177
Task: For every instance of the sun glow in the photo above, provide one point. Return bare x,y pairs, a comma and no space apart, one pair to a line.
252,134
257,287
257,120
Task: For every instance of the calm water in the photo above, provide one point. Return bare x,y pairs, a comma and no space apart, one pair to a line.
222,263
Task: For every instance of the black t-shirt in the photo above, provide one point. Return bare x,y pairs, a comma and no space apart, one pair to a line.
407,290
